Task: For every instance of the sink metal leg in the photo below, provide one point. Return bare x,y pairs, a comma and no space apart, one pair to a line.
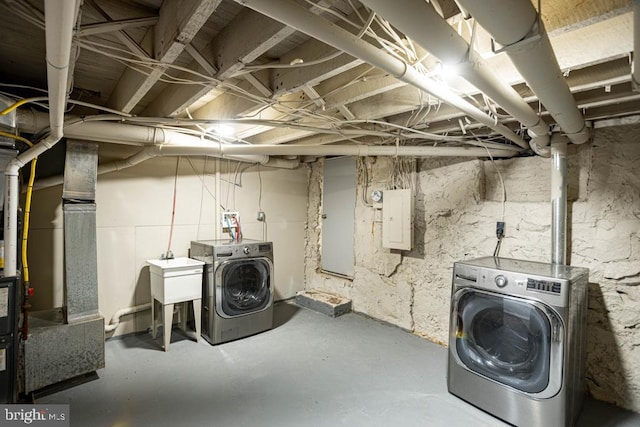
154,325
197,308
167,319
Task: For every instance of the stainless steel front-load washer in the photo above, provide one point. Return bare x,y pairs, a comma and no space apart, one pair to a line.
237,288
517,339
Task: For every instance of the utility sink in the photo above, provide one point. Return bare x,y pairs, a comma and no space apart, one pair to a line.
172,281
175,280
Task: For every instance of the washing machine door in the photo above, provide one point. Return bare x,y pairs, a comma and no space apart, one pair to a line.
243,286
514,341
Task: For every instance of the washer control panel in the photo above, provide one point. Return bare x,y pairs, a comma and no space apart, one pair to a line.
501,281
544,286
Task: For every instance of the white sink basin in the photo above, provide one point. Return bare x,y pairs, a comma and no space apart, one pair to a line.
175,280
175,263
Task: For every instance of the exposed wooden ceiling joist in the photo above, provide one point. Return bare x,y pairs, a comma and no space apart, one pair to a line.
177,25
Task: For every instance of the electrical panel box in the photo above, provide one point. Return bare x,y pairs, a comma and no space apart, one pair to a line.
397,219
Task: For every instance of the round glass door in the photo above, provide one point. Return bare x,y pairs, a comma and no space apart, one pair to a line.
245,286
505,339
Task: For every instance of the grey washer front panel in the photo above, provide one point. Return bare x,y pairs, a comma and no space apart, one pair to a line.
219,326
517,339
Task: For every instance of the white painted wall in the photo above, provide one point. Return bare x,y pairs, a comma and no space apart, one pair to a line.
458,202
134,216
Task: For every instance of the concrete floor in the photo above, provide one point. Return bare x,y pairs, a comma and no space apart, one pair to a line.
310,370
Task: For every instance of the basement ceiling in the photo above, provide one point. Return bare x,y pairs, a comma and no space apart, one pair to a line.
250,79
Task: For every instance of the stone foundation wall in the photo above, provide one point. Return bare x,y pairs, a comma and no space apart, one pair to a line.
458,202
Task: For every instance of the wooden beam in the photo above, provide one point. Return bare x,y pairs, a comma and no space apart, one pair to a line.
256,83
201,60
176,28
108,27
246,37
121,35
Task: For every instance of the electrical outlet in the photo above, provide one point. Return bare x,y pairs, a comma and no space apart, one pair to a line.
230,219
261,217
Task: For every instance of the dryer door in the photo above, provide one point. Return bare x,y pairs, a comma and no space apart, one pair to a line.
513,341
243,286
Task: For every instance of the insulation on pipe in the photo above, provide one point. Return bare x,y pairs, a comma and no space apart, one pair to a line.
514,24
292,14
420,21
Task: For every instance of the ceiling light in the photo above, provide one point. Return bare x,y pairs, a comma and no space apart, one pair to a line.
296,61
448,71
224,130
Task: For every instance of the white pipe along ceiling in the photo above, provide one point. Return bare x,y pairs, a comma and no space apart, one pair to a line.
420,21
296,16
159,142
60,19
516,26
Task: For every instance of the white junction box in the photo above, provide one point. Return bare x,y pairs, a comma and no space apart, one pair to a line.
230,220
397,219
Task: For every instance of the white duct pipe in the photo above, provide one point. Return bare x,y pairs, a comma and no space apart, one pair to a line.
419,20
635,73
115,319
290,13
559,200
120,133
151,152
515,25
260,153
60,18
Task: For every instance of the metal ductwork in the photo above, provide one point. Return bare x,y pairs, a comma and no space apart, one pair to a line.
292,14
515,25
420,21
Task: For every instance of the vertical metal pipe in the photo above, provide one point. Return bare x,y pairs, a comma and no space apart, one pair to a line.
559,201
635,76
217,210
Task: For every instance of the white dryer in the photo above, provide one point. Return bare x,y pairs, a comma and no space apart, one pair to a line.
517,339
237,288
